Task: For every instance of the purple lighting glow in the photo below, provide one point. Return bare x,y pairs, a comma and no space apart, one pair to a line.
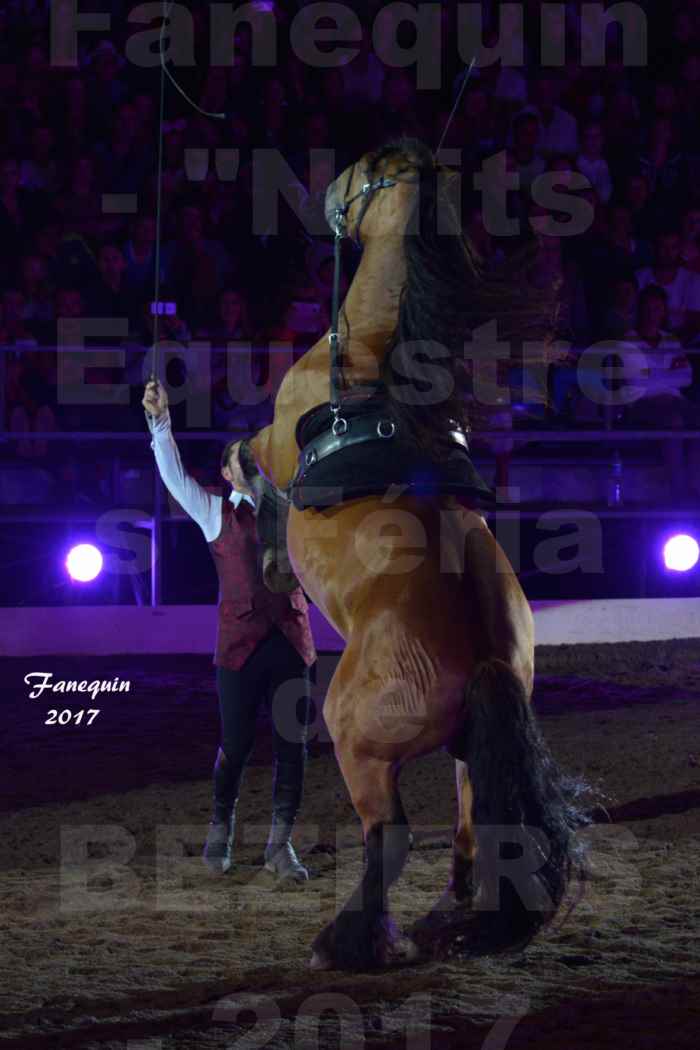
84,562
681,553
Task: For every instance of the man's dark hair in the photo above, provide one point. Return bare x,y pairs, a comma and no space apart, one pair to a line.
247,461
245,458
227,452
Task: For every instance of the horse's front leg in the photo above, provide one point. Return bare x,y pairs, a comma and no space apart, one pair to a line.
259,448
455,904
362,936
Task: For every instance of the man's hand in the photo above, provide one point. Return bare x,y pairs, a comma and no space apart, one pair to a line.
155,399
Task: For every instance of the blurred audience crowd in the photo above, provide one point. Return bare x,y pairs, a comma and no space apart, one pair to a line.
79,138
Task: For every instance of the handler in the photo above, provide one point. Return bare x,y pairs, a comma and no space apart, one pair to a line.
264,642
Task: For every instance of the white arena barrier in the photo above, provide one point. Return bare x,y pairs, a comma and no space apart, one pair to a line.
123,629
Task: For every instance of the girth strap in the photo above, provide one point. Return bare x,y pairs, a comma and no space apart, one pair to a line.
371,426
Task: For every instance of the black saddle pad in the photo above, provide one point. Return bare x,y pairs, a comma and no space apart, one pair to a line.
376,465
314,422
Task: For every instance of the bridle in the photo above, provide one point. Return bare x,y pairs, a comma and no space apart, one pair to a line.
367,191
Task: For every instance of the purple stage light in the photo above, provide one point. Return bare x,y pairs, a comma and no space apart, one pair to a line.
84,562
681,553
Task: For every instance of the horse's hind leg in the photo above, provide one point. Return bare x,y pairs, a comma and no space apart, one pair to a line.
457,898
362,937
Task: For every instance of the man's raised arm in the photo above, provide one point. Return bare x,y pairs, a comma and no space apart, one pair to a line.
200,505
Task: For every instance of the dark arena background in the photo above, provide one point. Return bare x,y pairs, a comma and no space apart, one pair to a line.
185,204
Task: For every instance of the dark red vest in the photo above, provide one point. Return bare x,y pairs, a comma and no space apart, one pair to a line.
247,610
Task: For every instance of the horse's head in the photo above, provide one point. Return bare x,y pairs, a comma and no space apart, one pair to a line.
369,196
375,195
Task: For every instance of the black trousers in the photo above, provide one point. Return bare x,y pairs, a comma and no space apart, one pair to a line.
275,675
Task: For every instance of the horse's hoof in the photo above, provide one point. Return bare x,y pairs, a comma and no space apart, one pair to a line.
319,962
402,952
440,925
441,915
425,936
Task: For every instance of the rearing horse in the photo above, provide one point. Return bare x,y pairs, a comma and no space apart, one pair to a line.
439,635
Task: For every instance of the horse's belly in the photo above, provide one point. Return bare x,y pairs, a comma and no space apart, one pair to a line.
367,562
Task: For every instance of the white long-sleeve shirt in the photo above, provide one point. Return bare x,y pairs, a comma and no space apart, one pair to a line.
203,507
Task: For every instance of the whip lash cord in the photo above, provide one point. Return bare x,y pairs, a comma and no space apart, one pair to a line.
165,72
159,195
457,102
156,308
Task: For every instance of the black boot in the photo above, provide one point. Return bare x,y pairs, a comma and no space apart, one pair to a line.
217,849
280,857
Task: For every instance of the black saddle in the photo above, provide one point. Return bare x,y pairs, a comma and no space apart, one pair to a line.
368,451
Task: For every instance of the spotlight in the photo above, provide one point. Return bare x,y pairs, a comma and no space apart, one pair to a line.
84,562
681,553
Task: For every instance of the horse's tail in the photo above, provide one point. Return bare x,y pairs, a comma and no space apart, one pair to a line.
524,811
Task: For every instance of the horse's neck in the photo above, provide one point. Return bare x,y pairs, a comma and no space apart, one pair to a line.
372,303
369,319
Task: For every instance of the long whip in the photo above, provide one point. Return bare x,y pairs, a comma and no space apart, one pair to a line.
456,105
165,72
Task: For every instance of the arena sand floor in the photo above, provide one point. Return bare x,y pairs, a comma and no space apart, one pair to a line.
155,955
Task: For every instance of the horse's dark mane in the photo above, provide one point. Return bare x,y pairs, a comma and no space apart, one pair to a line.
447,296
